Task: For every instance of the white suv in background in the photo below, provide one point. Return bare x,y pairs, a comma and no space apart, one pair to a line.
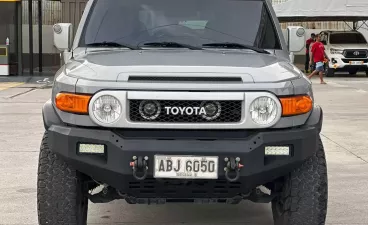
347,50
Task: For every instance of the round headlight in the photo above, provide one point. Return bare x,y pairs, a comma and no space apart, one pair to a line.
263,110
106,109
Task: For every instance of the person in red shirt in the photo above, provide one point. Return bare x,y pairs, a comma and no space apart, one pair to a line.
307,45
318,56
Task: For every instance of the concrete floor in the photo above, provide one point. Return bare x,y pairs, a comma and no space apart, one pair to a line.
345,136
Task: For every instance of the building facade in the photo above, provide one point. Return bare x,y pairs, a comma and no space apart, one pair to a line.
317,25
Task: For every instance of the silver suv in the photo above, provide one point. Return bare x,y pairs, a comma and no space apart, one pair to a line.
181,101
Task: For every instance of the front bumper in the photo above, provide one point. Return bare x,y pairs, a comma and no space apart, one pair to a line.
346,64
114,167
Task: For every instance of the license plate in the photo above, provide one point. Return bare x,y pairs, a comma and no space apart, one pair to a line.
356,62
186,167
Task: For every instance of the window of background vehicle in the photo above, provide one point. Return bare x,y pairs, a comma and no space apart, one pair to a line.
347,38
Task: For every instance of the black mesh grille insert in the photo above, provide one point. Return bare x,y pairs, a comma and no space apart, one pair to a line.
355,54
230,112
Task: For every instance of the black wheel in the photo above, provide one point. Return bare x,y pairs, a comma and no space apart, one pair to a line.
366,72
61,191
330,72
304,194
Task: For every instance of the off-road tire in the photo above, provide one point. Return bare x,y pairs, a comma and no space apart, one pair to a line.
304,193
61,191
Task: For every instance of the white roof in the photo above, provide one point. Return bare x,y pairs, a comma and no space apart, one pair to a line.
322,10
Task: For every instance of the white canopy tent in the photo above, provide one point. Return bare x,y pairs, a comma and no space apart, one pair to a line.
322,10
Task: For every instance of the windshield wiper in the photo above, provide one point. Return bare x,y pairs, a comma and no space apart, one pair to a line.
235,45
111,44
171,44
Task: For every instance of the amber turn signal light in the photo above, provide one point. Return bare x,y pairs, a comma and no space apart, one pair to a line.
296,105
73,103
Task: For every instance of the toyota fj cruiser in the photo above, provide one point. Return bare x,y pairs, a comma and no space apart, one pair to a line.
171,101
348,51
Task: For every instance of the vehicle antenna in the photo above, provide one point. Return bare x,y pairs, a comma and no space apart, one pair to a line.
75,12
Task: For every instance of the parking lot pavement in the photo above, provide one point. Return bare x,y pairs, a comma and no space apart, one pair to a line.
344,133
7,85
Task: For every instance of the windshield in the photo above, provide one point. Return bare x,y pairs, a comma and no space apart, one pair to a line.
347,38
189,22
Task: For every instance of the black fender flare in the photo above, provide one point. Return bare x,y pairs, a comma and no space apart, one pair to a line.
49,115
316,118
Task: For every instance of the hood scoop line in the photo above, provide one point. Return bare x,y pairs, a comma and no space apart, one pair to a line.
159,79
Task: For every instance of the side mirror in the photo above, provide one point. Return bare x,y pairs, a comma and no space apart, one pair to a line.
295,38
63,36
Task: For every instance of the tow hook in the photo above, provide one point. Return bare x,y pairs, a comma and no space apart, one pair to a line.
232,165
139,165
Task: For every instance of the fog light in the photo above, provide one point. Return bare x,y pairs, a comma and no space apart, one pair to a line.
150,110
212,110
91,149
277,150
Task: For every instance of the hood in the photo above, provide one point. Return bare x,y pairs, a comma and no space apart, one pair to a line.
348,46
121,65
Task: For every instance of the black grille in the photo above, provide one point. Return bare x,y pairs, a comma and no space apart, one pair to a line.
185,189
354,54
230,112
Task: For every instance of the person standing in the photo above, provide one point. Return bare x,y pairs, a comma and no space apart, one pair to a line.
307,50
313,66
318,56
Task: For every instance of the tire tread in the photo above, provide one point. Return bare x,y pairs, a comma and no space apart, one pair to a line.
59,189
305,193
